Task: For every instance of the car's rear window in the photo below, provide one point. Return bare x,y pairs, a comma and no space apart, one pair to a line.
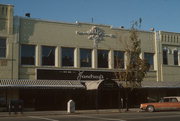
174,100
170,100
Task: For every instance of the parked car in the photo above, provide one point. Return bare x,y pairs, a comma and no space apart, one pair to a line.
166,103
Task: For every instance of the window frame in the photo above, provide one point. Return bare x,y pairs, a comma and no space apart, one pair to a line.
176,57
4,48
122,66
91,51
151,65
106,65
54,49
34,56
165,57
73,63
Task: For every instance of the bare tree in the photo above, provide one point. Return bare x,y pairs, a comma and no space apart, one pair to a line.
136,68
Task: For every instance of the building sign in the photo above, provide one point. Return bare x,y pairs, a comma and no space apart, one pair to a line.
80,75
97,34
87,76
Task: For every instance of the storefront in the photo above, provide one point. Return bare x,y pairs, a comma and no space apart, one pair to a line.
88,89
154,91
41,94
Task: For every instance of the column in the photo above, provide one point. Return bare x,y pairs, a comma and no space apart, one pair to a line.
58,57
111,59
94,58
38,55
76,58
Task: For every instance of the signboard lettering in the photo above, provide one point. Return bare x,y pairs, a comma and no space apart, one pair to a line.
73,75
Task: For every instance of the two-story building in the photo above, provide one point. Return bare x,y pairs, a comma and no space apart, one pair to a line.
47,63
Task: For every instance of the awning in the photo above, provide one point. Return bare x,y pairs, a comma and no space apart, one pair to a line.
15,83
93,85
160,84
101,84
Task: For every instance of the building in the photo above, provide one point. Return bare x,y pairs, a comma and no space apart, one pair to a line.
47,63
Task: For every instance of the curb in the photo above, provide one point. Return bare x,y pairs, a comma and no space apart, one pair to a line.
78,112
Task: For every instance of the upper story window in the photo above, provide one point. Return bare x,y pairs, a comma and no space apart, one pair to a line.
27,54
2,47
103,58
4,10
67,56
118,59
149,57
85,57
175,54
165,56
48,55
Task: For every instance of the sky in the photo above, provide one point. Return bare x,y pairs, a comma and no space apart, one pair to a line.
161,15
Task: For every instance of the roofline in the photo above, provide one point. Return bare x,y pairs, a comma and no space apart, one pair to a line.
79,23
60,22
169,32
7,5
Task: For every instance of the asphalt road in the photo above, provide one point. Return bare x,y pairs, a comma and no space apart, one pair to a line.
138,116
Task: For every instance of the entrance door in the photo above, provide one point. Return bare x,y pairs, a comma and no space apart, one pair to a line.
108,96
108,99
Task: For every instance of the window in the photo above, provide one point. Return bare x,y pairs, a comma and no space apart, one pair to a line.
165,56
28,54
176,57
48,55
118,59
2,10
166,100
149,57
174,100
2,47
103,58
67,56
85,57
133,57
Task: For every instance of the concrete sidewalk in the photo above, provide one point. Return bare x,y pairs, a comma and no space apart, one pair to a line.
45,113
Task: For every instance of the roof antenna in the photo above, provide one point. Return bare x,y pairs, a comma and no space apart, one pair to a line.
92,20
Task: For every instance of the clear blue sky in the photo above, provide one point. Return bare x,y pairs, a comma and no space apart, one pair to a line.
160,14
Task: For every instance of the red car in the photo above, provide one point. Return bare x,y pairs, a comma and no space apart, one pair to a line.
166,103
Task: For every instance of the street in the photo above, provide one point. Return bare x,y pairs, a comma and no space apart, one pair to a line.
132,116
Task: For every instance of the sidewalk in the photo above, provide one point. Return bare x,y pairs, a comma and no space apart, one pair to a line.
45,113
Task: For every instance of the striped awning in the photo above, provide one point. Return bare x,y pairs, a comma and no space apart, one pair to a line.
16,83
160,84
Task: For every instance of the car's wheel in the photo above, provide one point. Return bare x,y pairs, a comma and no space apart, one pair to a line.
150,108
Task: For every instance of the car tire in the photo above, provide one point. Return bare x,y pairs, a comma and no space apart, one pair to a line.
150,108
